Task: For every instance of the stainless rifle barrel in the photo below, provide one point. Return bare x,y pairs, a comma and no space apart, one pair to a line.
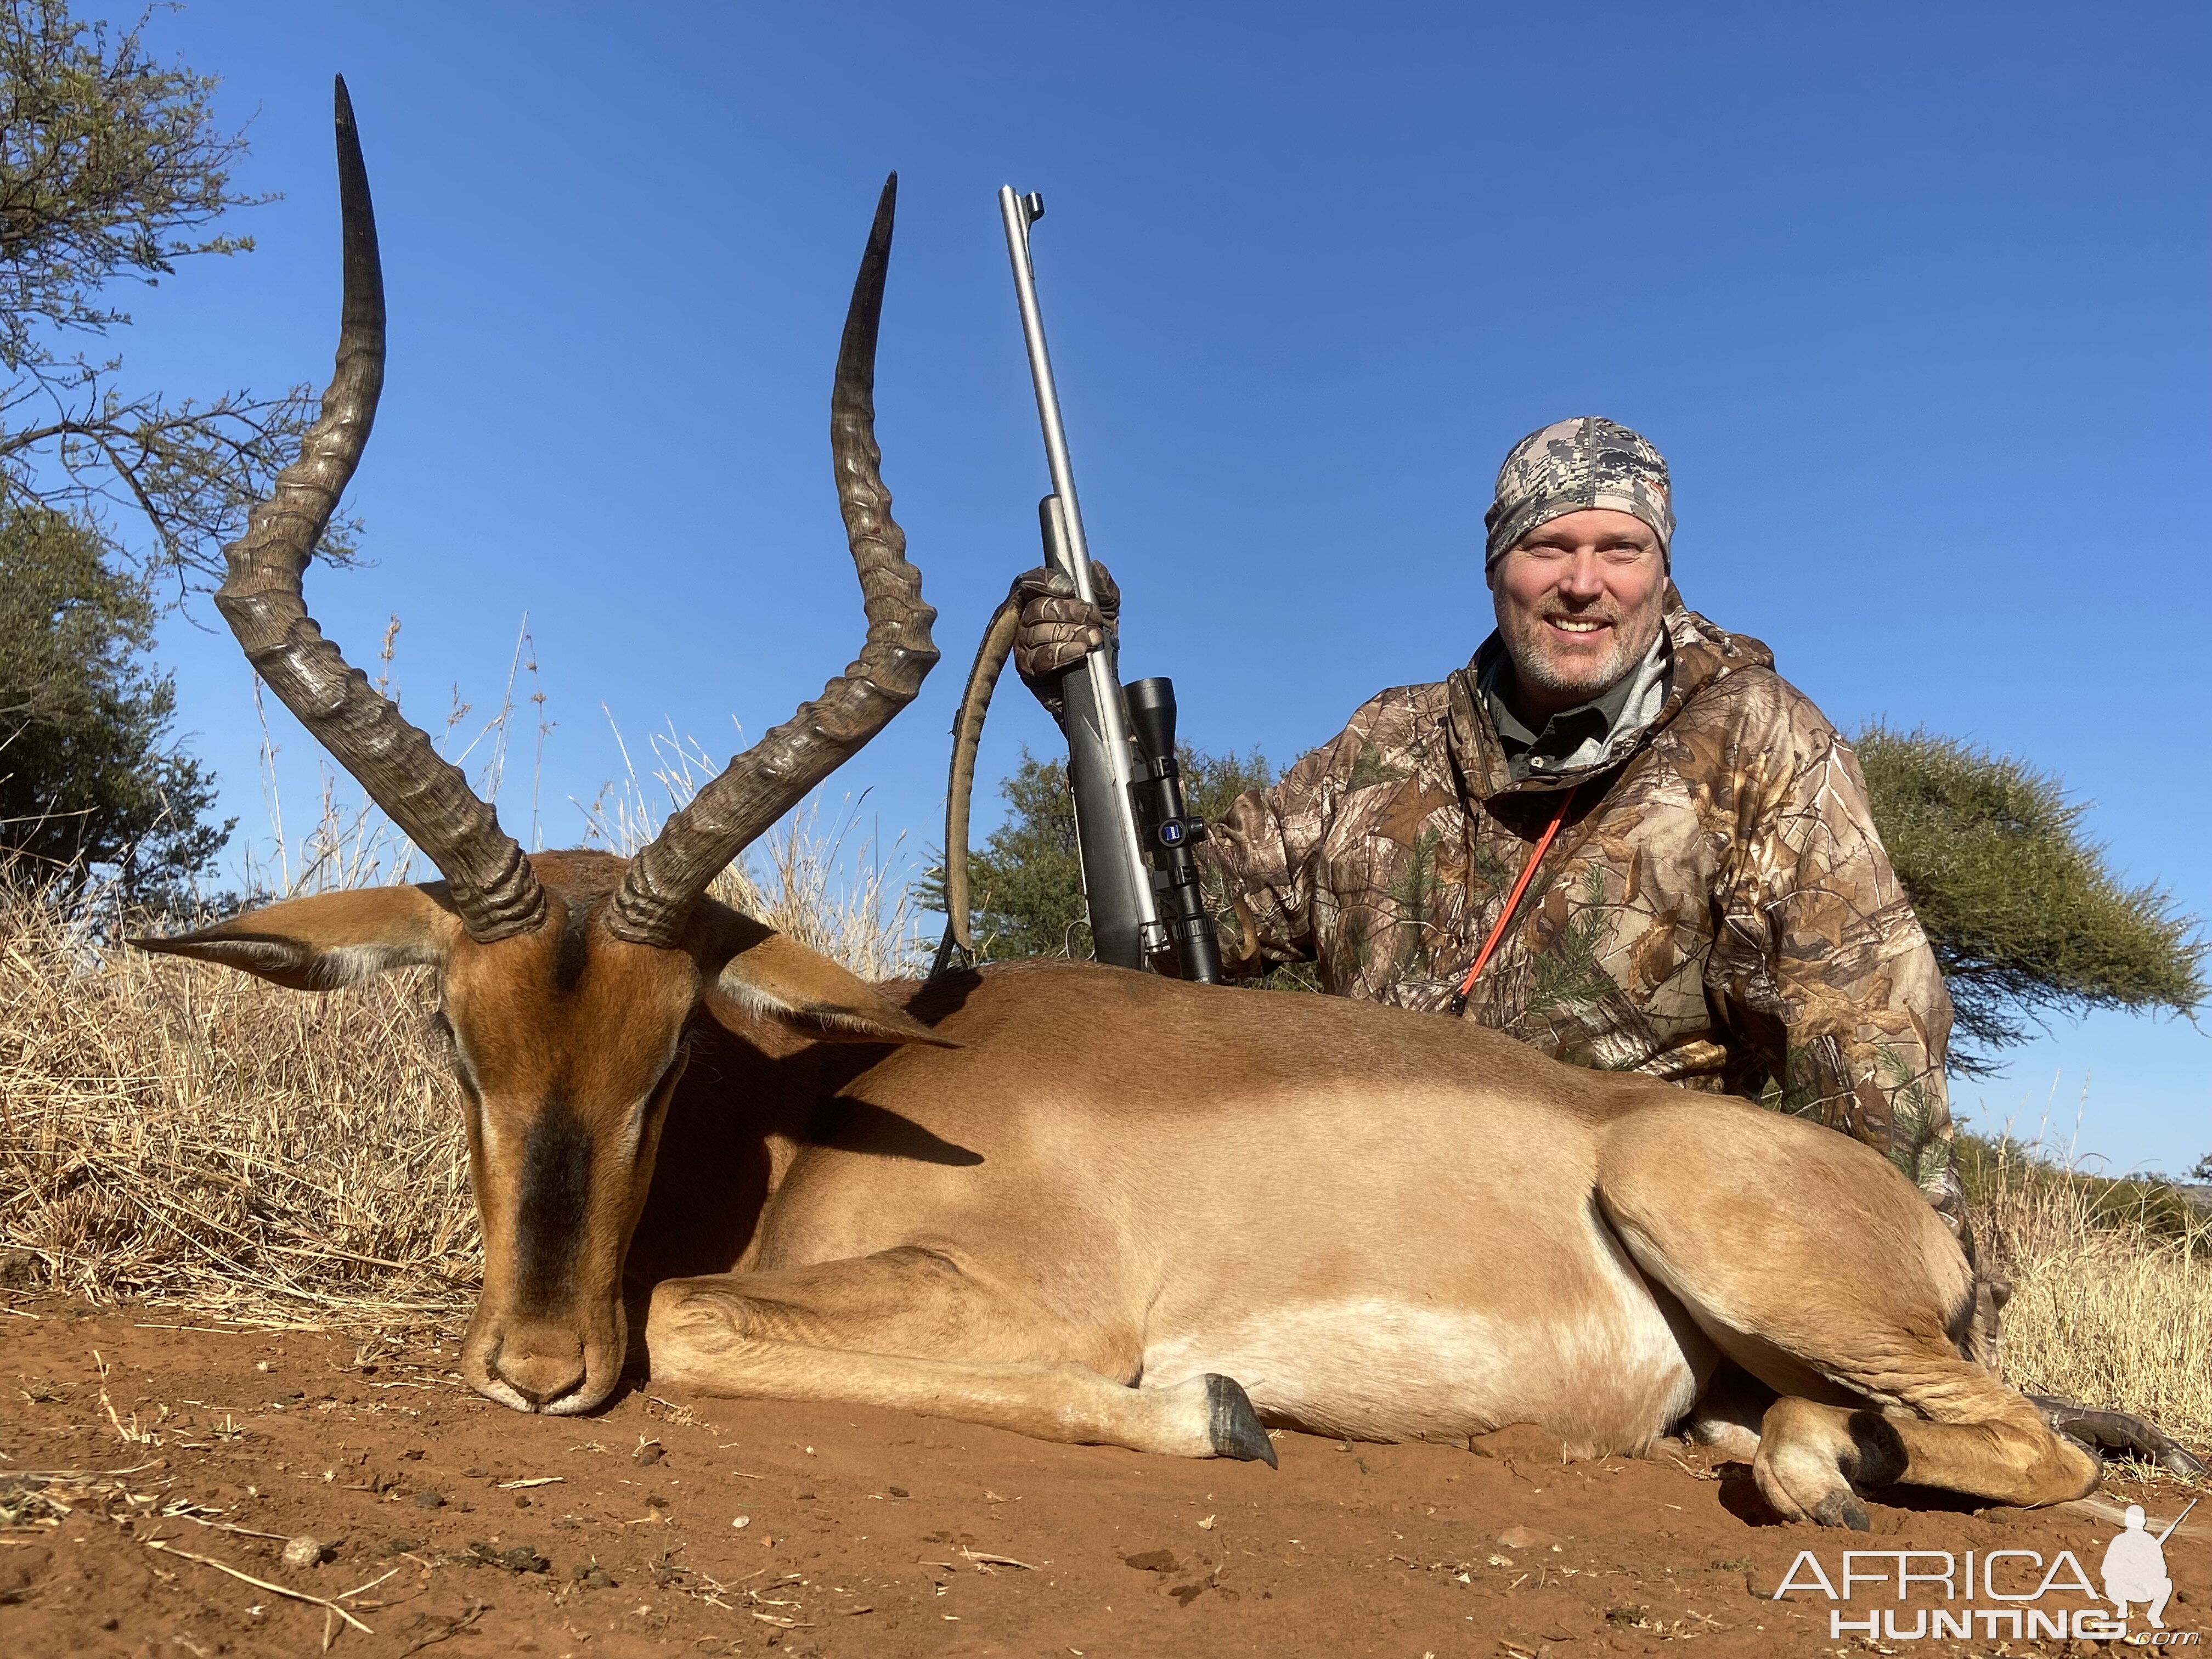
1019,213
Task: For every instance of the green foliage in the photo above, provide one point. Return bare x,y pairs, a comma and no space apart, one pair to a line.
2024,916
1027,878
112,169
89,777
1211,783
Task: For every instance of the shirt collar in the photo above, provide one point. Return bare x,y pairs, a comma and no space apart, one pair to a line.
1575,739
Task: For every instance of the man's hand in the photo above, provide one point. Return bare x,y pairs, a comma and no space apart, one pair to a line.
1058,629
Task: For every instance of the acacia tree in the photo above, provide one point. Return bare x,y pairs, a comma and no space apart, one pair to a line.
112,168
2025,917
1027,877
115,499
90,775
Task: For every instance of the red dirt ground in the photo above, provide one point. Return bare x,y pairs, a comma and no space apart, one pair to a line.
864,1533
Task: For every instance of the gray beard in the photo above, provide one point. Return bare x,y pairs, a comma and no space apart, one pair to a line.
1525,644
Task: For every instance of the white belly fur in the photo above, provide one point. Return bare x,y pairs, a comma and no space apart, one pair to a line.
1607,1376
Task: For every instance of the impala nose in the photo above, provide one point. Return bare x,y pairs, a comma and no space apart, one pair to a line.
541,1365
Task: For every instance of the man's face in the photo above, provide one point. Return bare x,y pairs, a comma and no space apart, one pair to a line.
1578,604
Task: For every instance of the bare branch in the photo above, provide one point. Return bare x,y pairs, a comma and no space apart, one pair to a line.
112,169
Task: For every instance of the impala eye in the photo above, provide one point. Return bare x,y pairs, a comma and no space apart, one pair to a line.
664,1084
440,1031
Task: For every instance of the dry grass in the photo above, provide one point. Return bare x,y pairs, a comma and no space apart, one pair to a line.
188,1134
2112,1285
811,881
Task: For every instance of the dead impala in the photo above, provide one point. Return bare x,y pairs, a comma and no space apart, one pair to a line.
1384,1225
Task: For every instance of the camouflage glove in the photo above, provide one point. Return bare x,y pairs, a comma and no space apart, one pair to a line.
1059,630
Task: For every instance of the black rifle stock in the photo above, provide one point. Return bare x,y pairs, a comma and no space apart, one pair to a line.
1116,887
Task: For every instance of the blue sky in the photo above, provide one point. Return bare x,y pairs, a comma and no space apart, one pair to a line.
1911,297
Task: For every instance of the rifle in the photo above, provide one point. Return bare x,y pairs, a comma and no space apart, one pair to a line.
2176,1522
1134,831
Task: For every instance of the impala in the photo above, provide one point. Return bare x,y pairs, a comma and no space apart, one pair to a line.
1237,1209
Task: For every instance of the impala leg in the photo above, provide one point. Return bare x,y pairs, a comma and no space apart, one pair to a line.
1871,1394
1941,1421
1727,1416
1826,1277
1800,1448
894,1330
1812,1456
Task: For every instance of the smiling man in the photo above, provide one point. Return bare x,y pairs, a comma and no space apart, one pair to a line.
1657,849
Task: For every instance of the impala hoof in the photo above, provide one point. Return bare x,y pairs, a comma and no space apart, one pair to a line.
1234,1424
1842,1508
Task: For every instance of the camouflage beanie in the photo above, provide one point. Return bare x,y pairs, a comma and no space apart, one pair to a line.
1569,465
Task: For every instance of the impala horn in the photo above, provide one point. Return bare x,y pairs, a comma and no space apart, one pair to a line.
666,878
426,796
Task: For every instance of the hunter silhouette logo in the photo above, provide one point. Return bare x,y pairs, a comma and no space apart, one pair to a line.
2134,1566
2014,1594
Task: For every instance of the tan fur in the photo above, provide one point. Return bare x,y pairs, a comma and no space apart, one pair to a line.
1383,1224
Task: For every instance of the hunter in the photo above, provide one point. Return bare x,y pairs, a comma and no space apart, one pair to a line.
1701,892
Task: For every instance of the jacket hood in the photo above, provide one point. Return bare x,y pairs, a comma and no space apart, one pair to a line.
1703,655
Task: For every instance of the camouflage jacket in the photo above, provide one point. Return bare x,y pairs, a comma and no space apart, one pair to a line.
1716,910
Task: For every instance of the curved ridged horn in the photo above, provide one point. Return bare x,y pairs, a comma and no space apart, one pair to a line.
426,796
665,880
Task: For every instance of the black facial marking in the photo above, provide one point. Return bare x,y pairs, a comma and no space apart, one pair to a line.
575,949
556,1171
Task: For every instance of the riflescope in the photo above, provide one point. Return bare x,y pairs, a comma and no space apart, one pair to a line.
1166,831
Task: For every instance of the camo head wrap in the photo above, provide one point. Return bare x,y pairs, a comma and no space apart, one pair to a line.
1588,461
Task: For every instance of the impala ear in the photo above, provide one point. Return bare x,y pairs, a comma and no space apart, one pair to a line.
771,977
332,939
